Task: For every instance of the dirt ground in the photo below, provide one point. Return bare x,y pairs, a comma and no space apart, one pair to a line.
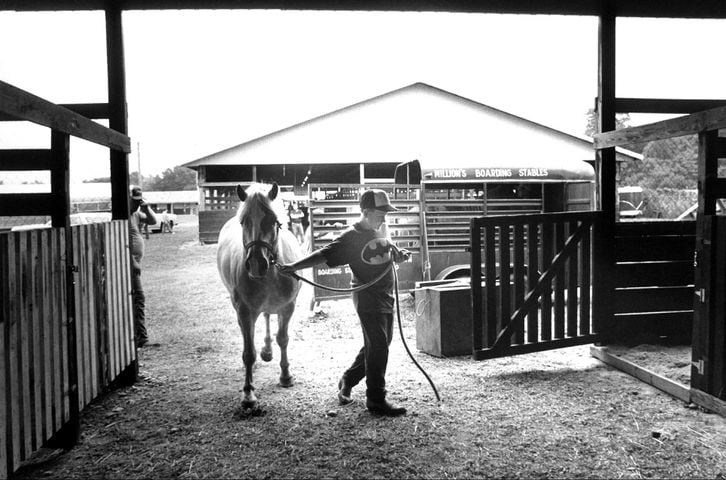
557,414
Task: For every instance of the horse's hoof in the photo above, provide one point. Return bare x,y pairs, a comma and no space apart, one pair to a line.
266,355
245,413
249,404
287,382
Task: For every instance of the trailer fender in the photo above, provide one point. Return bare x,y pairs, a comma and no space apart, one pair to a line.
454,271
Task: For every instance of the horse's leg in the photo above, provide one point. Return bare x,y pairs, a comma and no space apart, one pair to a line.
266,353
246,320
283,319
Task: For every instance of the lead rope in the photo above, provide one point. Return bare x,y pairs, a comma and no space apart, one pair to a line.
398,311
344,290
403,339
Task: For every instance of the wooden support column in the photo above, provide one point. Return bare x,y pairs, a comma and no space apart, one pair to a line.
70,433
118,119
60,206
606,171
707,235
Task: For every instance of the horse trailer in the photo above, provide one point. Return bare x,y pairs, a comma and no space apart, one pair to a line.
435,207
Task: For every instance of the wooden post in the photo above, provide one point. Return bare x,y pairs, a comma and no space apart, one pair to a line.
118,119
605,169
477,331
70,433
706,234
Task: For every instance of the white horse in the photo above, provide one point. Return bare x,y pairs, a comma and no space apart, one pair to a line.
249,245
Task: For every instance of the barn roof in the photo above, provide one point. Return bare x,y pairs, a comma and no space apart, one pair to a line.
414,122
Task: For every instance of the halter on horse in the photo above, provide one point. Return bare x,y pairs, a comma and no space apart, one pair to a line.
248,246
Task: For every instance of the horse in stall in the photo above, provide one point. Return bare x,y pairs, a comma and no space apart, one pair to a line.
249,244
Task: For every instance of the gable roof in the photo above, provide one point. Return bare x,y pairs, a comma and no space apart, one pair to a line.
417,121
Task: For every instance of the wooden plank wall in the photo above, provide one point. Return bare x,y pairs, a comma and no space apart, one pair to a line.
211,222
119,320
33,353
34,383
653,282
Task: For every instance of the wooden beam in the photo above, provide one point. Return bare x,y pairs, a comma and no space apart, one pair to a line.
666,106
671,387
25,160
97,111
17,204
26,106
709,402
640,8
713,119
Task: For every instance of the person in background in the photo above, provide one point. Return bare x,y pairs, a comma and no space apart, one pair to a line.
296,222
141,214
366,247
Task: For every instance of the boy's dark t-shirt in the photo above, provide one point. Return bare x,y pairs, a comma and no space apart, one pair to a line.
368,254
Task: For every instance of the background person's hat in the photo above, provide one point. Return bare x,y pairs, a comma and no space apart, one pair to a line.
136,193
376,199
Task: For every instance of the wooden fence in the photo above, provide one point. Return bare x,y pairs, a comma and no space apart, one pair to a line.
652,293
36,378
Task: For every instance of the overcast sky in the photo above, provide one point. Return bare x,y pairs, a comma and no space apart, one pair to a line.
202,81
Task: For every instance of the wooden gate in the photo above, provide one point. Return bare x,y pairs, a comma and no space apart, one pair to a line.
51,367
66,322
531,282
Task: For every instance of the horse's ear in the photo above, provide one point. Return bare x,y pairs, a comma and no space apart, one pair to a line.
273,191
241,193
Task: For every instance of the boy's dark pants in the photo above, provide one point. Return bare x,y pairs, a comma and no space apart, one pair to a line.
372,360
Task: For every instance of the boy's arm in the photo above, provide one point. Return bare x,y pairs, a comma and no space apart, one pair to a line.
147,214
315,258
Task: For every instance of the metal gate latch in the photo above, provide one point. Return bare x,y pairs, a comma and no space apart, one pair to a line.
699,366
701,294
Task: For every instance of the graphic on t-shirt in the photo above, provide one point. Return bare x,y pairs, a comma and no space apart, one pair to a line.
376,252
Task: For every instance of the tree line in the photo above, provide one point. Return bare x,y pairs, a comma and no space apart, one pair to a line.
670,163
171,179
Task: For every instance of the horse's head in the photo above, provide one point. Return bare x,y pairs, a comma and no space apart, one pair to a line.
260,228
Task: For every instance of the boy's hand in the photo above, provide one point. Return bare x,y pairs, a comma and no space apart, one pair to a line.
399,254
285,269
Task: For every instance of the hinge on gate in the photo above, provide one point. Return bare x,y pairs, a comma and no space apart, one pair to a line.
73,268
701,294
699,366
